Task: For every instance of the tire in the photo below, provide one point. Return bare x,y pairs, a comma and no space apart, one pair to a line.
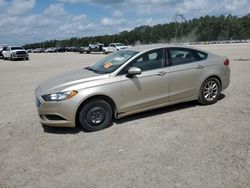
11,58
95,115
209,91
27,58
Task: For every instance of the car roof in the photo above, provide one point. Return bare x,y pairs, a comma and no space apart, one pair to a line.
147,47
15,47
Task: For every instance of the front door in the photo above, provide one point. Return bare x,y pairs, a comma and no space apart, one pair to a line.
151,87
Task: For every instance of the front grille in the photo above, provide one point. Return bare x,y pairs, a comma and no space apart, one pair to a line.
20,52
41,116
20,56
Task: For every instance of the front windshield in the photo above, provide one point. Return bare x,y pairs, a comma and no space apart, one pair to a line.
112,62
16,48
119,44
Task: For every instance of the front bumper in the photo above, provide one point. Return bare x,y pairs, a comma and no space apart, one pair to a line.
20,56
56,114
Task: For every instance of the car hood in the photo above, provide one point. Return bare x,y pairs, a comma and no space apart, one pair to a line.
121,47
68,79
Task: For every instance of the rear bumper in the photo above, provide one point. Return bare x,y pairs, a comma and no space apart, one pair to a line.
226,79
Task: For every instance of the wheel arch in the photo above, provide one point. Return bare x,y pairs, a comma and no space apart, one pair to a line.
100,97
200,97
212,76
204,80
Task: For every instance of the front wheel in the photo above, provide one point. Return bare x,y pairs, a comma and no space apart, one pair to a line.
210,91
95,115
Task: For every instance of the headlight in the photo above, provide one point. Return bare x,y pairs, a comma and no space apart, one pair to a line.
60,96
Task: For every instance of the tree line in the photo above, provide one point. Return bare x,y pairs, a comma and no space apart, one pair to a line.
207,28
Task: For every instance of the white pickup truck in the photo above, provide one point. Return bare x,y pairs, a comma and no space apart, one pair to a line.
15,52
113,47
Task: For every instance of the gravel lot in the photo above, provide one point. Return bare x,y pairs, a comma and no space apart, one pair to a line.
185,145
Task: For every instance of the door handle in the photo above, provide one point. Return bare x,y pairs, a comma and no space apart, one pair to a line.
161,73
200,67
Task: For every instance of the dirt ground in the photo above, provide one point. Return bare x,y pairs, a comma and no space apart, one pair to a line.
185,145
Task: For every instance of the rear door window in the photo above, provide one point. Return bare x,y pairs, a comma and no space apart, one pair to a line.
200,55
181,56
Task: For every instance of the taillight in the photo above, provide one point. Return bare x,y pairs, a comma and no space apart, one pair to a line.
226,62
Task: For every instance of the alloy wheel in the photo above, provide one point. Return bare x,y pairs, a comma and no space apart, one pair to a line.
210,90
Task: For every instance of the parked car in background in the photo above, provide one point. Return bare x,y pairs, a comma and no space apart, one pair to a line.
95,47
131,81
2,48
30,50
15,52
38,50
84,49
113,47
50,50
60,49
73,49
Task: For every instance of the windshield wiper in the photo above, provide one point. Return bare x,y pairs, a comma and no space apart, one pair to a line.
89,68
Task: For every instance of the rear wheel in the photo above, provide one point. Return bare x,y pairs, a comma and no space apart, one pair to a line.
95,115
210,91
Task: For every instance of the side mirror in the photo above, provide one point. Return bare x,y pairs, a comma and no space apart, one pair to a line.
133,71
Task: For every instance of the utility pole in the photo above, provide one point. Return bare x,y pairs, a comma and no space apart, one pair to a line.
179,20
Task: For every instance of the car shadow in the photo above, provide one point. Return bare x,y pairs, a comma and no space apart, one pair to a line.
61,130
163,110
222,96
172,108
157,111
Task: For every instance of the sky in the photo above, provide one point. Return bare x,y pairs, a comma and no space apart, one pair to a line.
29,21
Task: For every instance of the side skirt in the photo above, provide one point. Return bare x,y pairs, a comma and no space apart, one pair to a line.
123,114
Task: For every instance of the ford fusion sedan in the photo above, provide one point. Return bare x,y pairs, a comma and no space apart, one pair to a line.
131,81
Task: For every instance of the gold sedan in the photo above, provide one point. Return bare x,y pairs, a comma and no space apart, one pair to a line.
131,81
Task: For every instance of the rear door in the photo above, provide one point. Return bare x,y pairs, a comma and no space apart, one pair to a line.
186,72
